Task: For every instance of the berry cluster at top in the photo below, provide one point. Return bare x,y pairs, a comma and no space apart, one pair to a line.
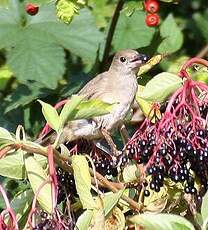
151,7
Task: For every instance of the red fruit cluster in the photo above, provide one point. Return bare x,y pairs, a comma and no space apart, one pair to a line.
152,7
31,9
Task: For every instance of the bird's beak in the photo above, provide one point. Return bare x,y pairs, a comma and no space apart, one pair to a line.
139,60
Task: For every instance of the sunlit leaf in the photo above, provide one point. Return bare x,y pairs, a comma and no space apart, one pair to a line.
130,173
204,209
5,135
116,221
110,200
37,176
12,165
69,109
83,181
161,86
22,202
51,115
92,108
162,222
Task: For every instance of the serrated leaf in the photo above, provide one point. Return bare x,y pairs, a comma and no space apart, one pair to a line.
116,221
161,86
24,94
51,115
37,177
34,55
110,200
12,165
69,109
204,209
83,181
132,32
21,203
171,35
5,135
162,222
92,108
80,39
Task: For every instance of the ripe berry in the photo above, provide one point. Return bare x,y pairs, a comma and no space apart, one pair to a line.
31,9
151,6
152,20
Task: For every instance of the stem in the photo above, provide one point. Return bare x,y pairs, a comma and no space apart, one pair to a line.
110,34
192,61
203,52
62,161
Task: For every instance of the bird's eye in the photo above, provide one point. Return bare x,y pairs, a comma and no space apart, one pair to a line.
122,59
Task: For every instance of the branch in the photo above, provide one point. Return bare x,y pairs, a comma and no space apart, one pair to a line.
64,161
110,34
203,52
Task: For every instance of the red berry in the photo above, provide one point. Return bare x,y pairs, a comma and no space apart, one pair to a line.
151,6
152,19
31,9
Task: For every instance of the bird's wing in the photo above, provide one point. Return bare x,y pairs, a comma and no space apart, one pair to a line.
93,88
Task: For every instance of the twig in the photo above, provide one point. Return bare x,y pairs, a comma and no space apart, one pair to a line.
203,52
62,161
110,34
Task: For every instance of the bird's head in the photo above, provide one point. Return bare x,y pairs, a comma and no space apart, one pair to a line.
128,61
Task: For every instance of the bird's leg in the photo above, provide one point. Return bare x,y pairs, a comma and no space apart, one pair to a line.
124,134
109,140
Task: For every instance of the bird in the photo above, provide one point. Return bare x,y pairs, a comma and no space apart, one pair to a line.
118,86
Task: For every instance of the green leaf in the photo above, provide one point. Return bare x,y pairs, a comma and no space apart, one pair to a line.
84,220
37,177
80,39
83,181
92,108
24,94
12,165
110,201
51,115
161,86
171,35
67,113
162,222
9,27
34,55
202,23
22,203
204,209
132,32
5,135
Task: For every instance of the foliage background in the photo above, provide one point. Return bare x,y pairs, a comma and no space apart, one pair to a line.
42,57
50,58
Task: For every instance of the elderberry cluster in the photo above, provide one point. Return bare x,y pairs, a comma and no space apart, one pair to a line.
46,222
66,184
105,165
175,147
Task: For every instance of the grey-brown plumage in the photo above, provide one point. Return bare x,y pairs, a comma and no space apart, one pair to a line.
117,85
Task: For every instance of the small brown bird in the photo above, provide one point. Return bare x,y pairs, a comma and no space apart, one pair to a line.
117,85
